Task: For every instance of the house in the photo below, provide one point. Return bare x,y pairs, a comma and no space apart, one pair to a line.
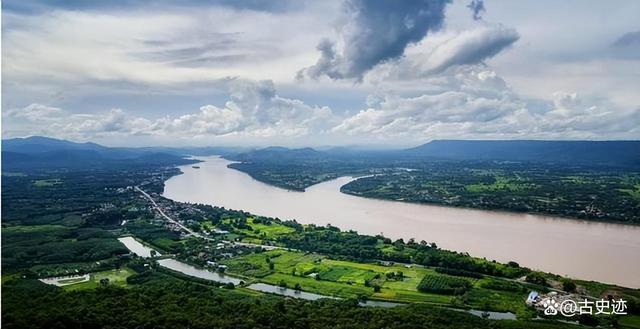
532,298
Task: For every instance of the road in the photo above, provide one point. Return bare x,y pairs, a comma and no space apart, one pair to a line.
196,234
155,205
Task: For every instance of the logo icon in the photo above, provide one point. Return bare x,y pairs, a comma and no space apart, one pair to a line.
550,307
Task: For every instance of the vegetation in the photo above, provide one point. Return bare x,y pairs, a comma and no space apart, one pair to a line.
166,302
59,222
571,192
351,245
586,190
68,222
442,284
117,277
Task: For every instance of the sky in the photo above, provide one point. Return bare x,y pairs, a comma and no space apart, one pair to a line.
320,73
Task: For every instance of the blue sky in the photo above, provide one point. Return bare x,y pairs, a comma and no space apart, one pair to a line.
319,72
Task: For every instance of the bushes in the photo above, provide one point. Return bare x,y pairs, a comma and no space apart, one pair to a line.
441,284
42,251
536,278
139,278
568,285
458,272
502,285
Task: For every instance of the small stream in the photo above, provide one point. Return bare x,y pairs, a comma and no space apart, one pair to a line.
141,250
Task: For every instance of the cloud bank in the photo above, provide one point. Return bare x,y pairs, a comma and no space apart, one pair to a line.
465,102
473,102
253,110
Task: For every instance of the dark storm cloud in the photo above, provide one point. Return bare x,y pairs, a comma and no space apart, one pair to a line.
627,46
631,39
477,7
374,31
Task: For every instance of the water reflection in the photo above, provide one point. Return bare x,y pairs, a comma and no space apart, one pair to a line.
193,271
136,247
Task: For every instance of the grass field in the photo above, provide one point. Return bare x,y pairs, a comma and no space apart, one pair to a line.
337,278
501,184
263,231
116,277
164,243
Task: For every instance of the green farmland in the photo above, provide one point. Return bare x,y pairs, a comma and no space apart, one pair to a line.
319,274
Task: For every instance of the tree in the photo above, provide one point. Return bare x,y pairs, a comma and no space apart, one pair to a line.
376,288
282,284
536,278
104,282
297,287
568,285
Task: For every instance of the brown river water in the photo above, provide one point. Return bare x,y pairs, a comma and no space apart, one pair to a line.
581,249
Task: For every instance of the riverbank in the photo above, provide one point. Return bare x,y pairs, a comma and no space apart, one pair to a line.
500,236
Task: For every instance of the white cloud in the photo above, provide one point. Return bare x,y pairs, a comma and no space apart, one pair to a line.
469,47
445,50
475,103
35,112
160,45
254,109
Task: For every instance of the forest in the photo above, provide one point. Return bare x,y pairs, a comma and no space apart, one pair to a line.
162,301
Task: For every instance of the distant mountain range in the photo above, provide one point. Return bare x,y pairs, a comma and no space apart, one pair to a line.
43,152
581,152
280,153
37,152
607,153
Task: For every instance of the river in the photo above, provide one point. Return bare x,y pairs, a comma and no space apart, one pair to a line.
576,248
